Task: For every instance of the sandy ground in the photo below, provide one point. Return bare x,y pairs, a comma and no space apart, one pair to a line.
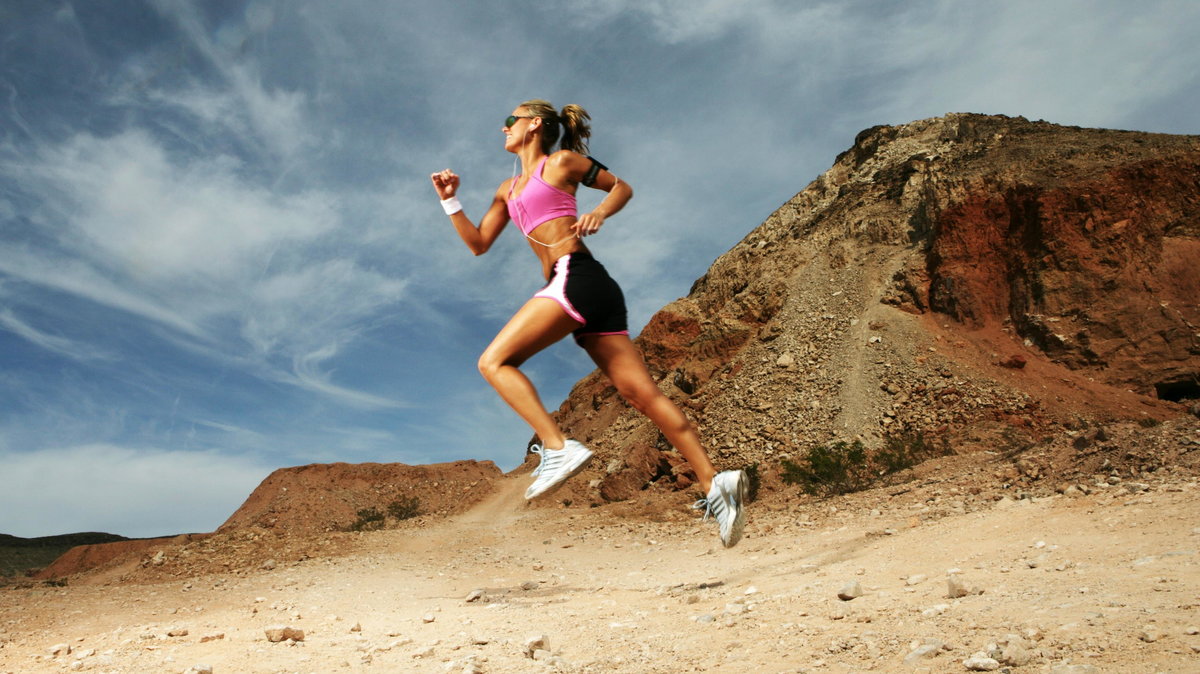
1106,582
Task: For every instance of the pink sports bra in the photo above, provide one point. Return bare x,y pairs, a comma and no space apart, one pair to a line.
539,202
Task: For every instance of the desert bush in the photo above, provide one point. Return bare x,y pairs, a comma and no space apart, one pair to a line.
836,468
368,520
907,450
405,508
843,467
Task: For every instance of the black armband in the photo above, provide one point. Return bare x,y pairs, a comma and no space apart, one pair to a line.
590,177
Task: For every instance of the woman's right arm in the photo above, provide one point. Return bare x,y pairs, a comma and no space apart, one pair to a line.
478,239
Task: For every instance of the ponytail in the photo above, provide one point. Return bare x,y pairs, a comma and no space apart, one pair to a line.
576,129
571,124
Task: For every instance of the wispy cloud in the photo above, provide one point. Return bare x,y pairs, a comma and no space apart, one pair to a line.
62,346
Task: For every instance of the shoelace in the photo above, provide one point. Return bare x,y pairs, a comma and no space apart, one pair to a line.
708,507
541,452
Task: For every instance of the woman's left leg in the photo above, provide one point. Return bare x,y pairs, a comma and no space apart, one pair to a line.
620,360
725,492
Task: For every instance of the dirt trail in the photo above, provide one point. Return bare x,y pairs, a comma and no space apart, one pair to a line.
1107,582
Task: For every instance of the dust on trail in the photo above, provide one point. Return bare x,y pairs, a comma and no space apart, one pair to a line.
1108,580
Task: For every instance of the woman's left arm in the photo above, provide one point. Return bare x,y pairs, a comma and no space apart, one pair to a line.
576,166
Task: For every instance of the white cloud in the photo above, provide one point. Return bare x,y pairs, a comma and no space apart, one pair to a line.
272,116
121,490
134,210
307,369
194,245
60,345
80,279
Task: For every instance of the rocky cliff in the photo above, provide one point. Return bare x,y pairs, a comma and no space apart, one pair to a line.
972,278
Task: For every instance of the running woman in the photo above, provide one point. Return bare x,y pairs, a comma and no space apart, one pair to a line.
580,298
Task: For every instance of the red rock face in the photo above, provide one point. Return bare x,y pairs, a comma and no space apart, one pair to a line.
1102,275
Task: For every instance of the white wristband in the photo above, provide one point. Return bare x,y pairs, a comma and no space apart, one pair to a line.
451,205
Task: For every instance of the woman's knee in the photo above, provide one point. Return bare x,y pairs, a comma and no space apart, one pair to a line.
640,395
489,365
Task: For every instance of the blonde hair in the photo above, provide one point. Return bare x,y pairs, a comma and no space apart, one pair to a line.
571,124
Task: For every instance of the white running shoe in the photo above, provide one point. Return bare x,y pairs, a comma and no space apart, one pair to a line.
724,503
556,466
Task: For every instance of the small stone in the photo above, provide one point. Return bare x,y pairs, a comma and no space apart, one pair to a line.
212,637
475,595
199,669
925,651
178,632
60,649
539,642
1150,634
357,627
268,565
1014,651
278,633
786,360
1015,362
428,618
980,662
851,590
529,585
957,587
915,579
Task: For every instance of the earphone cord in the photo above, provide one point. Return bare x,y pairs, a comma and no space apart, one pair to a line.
540,243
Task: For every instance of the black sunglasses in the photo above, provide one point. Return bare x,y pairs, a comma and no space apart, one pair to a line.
512,119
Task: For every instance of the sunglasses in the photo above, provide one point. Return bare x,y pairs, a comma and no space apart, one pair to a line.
512,119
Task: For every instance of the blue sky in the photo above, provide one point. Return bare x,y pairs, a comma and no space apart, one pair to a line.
220,253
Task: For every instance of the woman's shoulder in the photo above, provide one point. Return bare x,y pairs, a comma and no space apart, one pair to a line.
565,158
568,162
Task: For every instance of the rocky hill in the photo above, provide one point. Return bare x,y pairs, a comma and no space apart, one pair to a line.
289,509
976,282
18,555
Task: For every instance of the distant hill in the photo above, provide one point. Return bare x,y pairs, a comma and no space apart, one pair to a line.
290,504
19,555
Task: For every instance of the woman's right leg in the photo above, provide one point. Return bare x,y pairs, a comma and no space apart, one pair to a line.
535,326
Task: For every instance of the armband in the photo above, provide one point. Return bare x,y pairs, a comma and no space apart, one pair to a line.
451,205
590,177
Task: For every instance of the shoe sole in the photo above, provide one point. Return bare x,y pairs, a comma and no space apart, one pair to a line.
739,520
580,464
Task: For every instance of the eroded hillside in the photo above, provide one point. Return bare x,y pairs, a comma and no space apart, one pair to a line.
972,279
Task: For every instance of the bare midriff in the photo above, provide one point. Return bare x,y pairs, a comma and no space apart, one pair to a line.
559,234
